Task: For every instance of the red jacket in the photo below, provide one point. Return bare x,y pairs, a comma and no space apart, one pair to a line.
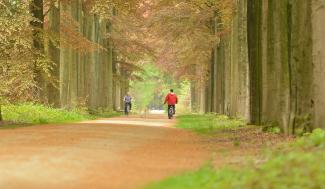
171,99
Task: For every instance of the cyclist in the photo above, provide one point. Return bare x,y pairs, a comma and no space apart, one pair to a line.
127,102
171,99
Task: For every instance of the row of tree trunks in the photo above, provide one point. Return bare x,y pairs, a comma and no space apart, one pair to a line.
227,89
85,77
269,69
285,38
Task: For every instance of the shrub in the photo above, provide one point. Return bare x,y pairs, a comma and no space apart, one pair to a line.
310,140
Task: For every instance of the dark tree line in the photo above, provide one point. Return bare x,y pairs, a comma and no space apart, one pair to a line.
268,69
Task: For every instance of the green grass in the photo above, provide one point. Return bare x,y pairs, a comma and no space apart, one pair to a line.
30,114
202,178
298,165
208,123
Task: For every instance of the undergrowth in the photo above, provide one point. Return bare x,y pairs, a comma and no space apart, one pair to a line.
207,123
299,165
29,113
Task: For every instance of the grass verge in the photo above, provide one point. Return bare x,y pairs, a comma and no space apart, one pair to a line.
208,123
299,164
29,114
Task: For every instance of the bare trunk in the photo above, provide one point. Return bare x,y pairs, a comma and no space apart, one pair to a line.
54,55
254,44
110,70
38,43
1,118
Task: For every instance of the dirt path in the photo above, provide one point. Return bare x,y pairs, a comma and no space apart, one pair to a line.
112,153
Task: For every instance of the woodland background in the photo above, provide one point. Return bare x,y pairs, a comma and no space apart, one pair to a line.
262,60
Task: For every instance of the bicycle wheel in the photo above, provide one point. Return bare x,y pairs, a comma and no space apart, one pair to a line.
127,109
170,113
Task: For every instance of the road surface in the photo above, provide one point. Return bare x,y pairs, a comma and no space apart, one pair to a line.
112,153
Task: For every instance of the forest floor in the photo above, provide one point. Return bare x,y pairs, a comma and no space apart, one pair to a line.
115,153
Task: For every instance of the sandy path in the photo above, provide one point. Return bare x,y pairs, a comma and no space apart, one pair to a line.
111,153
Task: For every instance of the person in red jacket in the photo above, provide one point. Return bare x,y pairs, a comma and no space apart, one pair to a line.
171,99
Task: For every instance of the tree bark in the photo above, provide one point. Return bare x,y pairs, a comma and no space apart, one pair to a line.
36,9
54,55
110,69
254,44
1,118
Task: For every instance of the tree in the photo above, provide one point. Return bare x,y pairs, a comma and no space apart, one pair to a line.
16,53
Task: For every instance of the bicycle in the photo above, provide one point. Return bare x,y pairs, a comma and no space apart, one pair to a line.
170,112
127,109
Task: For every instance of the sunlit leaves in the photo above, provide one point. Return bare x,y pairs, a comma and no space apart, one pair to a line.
184,33
127,31
16,52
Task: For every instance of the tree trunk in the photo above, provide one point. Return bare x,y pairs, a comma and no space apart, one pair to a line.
194,105
38,43
301,58
64,56
110,70
318,51
1,118
54,55
254,44
115,83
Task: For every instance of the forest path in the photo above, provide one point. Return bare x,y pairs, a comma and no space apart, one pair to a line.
107,153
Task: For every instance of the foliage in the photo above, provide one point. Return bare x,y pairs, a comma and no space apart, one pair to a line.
148,88
182,89
22,59
16,52
150,91
127,31
310,140
180,31
272,128
183,32
291,168
207,123
197,179
39,114
27,38
133,29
